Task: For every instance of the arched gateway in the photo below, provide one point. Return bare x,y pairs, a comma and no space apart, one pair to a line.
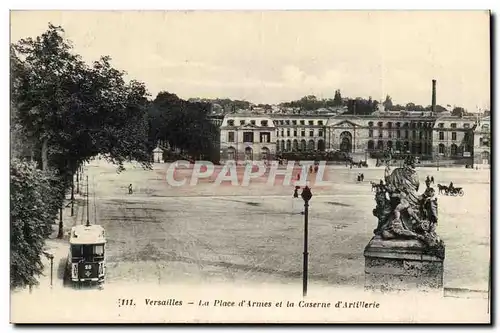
345,142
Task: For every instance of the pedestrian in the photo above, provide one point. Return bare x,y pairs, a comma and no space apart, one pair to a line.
296,192
362,177
130,191
432,179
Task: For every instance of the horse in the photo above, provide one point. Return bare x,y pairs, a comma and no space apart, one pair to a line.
375,186
442,188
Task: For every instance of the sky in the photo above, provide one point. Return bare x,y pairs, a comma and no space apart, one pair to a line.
277,56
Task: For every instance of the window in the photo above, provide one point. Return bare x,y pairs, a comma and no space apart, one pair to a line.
320,122
389,124
441,135
311,133
294,122
380,133
242,122
320,133
252,122
370,133
263,123
453,150
247,136
282,133
466,125
398,134
421,135
302,122
441,148
76,250
414,134
485,127
265,137
287,132
441,125
398,125
406,134
230,137
370,124
294,132
230,122
303,133
287,122
281,122
99,250
453,135
453,125
311,122
380,124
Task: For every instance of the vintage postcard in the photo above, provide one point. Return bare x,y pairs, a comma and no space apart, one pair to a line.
250,167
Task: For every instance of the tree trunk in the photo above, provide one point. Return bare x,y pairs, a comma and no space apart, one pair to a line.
60,234
72,194
45,154
77,181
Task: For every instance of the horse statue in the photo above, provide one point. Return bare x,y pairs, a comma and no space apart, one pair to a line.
404,214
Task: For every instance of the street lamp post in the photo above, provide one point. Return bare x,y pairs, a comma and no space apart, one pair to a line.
306,196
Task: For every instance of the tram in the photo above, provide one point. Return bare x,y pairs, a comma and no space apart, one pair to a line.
87,257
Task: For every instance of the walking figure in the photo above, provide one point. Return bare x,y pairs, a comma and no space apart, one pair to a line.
130,191
295,192
432,179
362,177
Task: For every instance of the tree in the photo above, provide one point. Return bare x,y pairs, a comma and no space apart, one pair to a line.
74,112
33,203
185,125
458,111
388,103
77,111
337,99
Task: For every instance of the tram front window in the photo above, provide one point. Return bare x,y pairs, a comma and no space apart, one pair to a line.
99,250
88,252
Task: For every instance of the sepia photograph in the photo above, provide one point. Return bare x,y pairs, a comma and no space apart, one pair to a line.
254,167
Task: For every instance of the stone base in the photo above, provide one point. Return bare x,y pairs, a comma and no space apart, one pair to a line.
396,265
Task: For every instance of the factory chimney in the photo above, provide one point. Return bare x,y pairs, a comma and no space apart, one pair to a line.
433,96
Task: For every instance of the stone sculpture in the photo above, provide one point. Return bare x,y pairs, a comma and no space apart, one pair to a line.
404,214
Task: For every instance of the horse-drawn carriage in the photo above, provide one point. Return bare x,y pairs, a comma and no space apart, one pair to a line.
453,191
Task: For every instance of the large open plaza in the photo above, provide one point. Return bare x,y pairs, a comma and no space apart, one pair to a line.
214,233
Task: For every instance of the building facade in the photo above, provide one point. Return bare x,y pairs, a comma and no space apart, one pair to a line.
482,141
453,137
422,134
246,137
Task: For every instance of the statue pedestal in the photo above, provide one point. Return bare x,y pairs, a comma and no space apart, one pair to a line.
396,265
